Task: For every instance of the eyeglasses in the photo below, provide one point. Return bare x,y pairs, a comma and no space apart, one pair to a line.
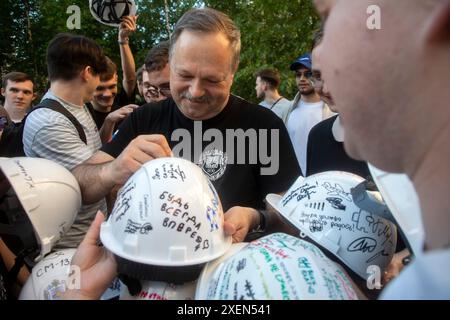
316,79
164,90
306,74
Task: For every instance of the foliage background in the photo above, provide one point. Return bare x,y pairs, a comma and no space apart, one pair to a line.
274,33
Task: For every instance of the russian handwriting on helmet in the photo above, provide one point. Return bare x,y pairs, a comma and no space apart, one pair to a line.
275,267
111,12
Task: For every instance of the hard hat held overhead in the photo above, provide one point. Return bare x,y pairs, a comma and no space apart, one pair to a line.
168,215
39,200
111,12
321,207
275,267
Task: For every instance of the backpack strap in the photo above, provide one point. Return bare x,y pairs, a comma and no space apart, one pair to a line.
90,107
56,106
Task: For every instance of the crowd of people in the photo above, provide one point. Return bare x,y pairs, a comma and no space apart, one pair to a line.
364,96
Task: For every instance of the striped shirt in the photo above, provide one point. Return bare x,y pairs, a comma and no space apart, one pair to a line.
51,135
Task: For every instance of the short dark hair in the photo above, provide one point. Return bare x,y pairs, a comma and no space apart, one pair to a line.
68,55
110,71
158,57
271,76
207,20
15,77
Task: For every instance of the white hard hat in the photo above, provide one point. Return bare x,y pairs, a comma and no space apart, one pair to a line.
275,267
401,198
41,192
321,207
49,279
111,12
157,290
169,215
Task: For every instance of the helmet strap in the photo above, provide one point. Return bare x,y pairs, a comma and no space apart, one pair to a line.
133,285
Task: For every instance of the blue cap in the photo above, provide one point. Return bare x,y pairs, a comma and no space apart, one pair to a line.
304,60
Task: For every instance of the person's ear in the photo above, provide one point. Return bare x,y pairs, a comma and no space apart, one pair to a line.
84,74
438,28
3,91
34,96
87,73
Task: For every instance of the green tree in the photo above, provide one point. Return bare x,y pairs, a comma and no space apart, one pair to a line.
274,33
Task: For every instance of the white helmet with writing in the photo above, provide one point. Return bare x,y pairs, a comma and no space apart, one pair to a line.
166,223
321,207
39,200
275,267
49,279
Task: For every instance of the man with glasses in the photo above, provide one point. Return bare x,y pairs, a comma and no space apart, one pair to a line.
156,76
203,57
306,111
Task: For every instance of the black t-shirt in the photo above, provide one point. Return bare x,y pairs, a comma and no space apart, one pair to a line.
121,100
237,184
327,154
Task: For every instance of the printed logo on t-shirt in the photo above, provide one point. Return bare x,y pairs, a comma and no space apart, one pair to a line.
214,163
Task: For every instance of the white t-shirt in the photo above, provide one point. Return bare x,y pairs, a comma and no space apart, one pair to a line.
301,120
426,278
280,108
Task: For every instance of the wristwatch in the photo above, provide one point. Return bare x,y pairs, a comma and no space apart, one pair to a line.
261,227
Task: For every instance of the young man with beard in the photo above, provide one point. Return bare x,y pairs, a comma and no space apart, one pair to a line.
306,111
267,83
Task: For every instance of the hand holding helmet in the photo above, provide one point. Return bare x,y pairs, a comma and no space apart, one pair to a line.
111,12
321,207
